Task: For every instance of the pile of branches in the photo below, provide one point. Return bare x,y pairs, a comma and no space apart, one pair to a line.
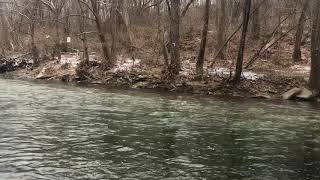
8,64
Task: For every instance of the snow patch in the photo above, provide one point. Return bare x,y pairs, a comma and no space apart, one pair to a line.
225,72
301,69
72,58
126,64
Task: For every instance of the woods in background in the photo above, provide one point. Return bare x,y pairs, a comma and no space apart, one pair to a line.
168,33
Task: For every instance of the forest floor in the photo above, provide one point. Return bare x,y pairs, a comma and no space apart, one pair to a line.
269,78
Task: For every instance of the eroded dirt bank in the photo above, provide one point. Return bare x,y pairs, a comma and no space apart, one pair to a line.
133,74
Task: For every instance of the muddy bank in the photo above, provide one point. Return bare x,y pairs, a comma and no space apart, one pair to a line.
133,75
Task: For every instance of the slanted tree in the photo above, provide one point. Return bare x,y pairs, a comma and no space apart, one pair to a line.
239,65
314,81
201,55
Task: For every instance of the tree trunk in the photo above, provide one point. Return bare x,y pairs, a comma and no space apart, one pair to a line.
299,34
255,28
161,38
34,49
109,62
221,29
104,46
125,19
200,61
314,81
236,11
174,67
82,24
246,17
114,27
57,50
4,30
32,33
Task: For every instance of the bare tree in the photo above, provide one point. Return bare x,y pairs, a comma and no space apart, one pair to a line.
221,29
255,27
315,49
246,17
124,19
174,13
83,35
201,56
109,62
299,33
6,43
56,8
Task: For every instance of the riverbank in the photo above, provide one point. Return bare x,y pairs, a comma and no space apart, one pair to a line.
126,74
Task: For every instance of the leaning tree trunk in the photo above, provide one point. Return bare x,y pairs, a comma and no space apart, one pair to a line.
297,45
200,61
174,67
246,17
314,81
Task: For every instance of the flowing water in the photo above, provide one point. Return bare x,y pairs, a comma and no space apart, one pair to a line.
63,132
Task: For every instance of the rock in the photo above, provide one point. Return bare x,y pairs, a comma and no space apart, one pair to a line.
262,96
97,82
292,93
298,93
140,85
305,94
43,74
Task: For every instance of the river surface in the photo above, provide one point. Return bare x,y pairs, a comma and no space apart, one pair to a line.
50,131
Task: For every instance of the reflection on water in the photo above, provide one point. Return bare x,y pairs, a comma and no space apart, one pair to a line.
58,132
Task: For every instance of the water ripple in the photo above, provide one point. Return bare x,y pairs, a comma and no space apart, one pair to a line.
63,132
